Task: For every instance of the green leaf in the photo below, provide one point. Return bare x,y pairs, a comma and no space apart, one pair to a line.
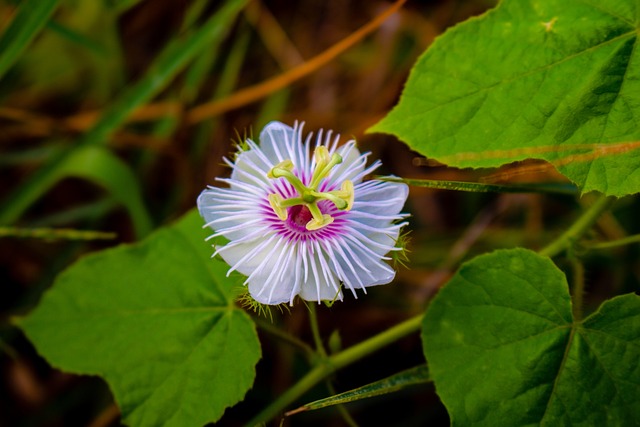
157,321
99,165
29,20
503,348
544,79
399,381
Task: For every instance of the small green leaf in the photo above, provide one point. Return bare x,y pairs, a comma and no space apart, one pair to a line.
545,79
399,381
157,321
503,348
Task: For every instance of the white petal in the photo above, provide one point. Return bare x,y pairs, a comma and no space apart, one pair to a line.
252,169
273,281
352,164
246,257
321,284
376,202
374,272
208,203
280,142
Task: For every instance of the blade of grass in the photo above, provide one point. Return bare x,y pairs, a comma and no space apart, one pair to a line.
171,60
477,187
226,85
32,15
56,233
399,381
76,37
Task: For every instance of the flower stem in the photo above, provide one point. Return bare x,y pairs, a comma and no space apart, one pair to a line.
578,228
616,243
288,338
335,362
577,290
315,331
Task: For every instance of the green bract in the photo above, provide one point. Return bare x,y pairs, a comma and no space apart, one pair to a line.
503,348
157,321
546,79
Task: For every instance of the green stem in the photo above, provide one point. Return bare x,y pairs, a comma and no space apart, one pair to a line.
335,362
577,290
288,338
616,243
578,228
322,352
315,330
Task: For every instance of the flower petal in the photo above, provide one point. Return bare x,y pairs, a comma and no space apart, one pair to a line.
280,142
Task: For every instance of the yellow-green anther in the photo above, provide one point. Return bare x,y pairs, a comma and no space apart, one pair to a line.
315,224
275,201
321,155
348,194
285,164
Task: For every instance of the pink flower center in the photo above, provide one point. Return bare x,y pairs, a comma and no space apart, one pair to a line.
300,215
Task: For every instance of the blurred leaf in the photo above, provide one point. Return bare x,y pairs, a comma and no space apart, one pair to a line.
99,165
503,348
225,85
76,37
82,52
399,381
32,15
173,58
121,6
55,233
545,79
157,321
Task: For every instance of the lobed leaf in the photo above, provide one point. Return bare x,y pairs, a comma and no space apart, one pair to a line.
545,79
503,348
157,321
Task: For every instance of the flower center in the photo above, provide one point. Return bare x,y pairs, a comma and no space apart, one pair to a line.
305,210
300,215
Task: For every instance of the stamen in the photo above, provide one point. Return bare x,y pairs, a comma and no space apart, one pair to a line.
309,195
276,200
315,225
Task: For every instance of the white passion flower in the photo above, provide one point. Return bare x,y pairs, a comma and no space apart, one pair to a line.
303,223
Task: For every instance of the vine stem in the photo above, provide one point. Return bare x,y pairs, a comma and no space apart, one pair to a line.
336,362
577,290
579,227
315,330
322,352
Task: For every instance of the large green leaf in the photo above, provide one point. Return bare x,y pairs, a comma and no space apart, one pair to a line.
545,79
158,322
503,348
